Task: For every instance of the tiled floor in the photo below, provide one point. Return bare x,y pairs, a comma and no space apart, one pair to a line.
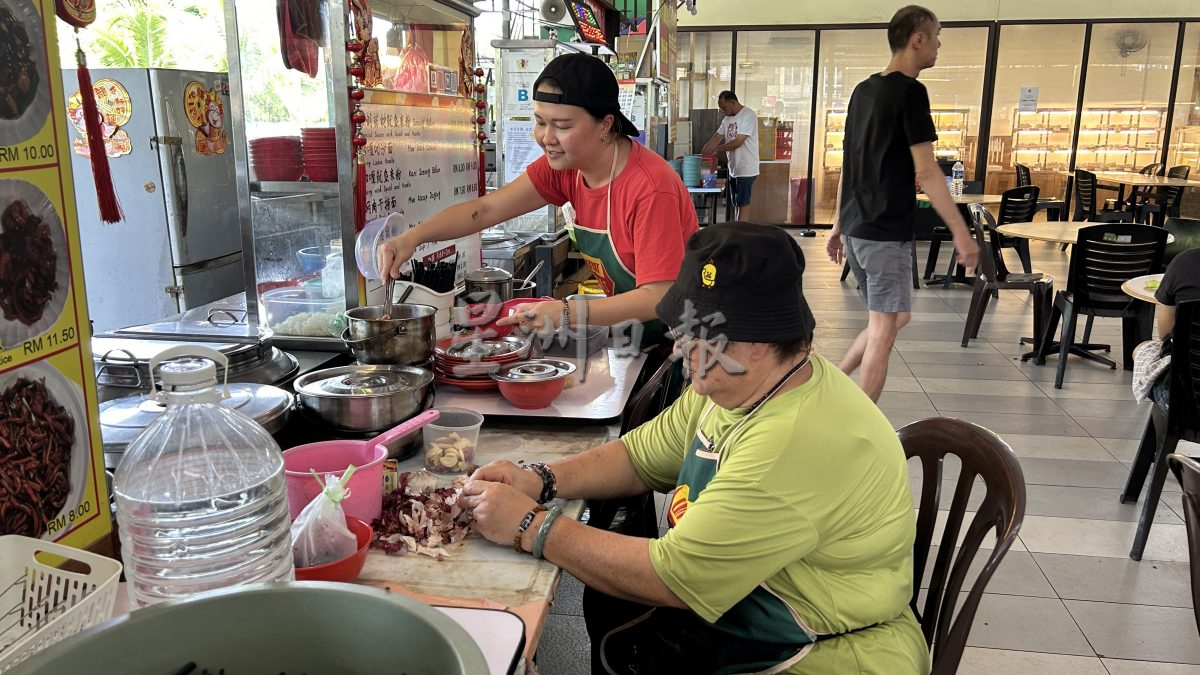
1067,599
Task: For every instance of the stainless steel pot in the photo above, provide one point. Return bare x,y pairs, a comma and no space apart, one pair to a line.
489,285
124,419
405,337
364,398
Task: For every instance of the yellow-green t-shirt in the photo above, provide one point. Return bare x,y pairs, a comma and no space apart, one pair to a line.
811,498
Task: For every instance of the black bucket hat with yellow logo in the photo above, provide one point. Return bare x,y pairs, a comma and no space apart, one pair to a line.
751,274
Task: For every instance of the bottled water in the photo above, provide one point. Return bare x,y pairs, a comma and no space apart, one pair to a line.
957,174
201,498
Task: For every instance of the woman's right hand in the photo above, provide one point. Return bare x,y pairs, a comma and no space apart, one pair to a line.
503,471
392,254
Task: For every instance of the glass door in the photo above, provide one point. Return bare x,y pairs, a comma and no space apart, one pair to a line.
705,69
955,88
775,77
1033,107
1185,124
1123,120
847,57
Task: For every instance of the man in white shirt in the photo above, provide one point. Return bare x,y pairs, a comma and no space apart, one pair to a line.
738,136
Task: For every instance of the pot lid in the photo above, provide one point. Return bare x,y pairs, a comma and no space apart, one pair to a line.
489,273
488,349
126,350
124,419
357,380
533,370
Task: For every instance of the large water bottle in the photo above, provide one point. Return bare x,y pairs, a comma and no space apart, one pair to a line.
201,499
958,173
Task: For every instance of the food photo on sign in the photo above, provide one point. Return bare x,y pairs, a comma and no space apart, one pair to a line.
24,96
35,275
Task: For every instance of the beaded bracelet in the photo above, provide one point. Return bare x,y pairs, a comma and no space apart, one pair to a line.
525,523
566,313
549,481
539,541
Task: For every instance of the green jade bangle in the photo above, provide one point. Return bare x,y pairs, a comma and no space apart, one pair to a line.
539,541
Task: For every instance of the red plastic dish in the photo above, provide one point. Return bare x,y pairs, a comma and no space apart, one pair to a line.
468,385
532,395
485,316
347,569
441,356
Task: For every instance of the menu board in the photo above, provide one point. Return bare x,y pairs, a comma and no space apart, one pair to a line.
51,477
421,159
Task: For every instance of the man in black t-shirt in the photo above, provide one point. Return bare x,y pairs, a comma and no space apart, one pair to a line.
1180,283
888,145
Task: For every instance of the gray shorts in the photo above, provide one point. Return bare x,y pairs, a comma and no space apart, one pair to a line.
884,272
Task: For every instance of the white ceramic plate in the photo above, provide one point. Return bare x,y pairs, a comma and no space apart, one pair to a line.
13,333
34,117
69,395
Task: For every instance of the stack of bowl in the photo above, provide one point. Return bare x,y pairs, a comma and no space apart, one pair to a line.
276,158
320,154
691,170
468,363
677,166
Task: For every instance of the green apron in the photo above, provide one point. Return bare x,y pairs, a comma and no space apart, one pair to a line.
759,634
598,251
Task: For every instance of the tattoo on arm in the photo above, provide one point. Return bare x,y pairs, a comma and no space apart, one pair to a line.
475,215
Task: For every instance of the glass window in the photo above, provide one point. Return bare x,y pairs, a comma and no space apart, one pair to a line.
705,69
1033,107
847,57
1185,125
955,88
1125,98
774,77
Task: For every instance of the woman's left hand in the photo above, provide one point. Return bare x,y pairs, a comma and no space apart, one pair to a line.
532,317
498,509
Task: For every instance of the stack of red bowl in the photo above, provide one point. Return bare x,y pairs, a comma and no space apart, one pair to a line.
320,154
276,158
468,363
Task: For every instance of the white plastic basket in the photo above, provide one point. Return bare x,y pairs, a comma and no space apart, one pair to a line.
41,604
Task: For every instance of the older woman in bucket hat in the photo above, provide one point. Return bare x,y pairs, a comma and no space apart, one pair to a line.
630,213
791,531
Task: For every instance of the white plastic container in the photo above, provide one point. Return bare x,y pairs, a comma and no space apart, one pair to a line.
201,496
422,295
451,441
70,600
369,238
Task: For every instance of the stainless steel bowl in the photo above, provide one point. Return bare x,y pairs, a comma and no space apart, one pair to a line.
364,398
406,336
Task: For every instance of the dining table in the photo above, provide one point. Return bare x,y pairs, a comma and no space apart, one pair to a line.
1054,231
1138,326
1143,288
705,199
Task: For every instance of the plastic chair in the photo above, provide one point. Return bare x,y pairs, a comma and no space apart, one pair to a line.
639,517
1187,235
1105,256
1018,205
1085,196
993,275
1187,472
1055,206
982,454
1164,201
1165,428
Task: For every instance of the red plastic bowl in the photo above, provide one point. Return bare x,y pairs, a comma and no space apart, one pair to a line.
532,395
348,568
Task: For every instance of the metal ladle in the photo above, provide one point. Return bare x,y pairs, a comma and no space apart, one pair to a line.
525,281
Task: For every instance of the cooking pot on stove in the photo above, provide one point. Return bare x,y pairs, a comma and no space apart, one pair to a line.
405,335
367,398
122,363
489,284
124,419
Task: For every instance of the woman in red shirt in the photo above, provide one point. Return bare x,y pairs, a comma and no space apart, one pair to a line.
630,215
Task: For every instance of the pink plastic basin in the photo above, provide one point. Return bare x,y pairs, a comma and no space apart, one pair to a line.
332,457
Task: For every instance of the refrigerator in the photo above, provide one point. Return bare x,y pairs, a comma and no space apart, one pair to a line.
168,138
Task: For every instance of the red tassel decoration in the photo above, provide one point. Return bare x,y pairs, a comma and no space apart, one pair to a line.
360,194
106,195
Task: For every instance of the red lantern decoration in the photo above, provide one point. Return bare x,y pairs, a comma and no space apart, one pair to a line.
482,136
481,104
357,94
481,120
354,46
479,72
357,71
479,89
358,117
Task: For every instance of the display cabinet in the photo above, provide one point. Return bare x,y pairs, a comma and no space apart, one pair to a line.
292,117
1185,148
1119,138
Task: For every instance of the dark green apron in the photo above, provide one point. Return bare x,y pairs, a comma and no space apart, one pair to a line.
598,251
759,634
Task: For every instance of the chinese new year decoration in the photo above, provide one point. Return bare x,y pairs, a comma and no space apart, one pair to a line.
206,112
114,108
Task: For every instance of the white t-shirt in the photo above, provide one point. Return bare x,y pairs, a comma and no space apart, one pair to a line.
743,161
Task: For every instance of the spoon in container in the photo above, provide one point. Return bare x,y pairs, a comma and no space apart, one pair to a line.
525,281
389,285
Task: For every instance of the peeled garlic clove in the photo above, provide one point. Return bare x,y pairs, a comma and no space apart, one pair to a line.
448,461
